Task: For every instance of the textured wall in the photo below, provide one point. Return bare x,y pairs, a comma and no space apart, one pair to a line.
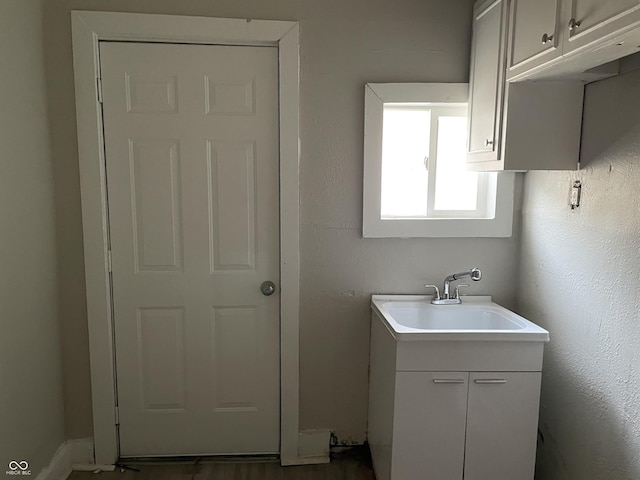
343,46
31,413
579,279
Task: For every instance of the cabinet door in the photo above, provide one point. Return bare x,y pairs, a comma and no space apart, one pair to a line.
534,35
486,81
589,21
502,425
429,425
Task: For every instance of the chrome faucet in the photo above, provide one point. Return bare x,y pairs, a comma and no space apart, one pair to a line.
447,299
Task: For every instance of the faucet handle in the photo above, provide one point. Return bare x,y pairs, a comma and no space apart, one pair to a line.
436,289
476,274
457,291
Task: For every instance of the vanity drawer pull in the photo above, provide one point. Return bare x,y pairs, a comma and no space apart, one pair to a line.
490,380
448,380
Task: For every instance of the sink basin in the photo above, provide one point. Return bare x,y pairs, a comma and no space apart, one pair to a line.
451,317
412,317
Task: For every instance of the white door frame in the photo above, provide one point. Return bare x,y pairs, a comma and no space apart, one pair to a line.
89,28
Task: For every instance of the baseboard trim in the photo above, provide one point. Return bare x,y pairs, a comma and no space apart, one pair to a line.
313,447
70,452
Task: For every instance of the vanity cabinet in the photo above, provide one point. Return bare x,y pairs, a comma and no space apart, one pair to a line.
449,410
522,126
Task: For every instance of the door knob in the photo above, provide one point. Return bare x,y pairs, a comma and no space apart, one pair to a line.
267,288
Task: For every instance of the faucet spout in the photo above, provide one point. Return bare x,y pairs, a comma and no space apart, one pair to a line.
475,274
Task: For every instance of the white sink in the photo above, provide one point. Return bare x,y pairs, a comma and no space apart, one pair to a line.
411,317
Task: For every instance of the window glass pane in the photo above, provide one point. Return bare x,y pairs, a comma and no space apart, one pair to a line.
455,189
405,148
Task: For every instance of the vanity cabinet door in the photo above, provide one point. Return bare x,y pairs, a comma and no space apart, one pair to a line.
486,85
589,21
429,425
502,425
534,34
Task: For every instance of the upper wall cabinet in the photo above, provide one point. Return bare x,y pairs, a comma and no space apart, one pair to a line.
562,38
486,89
589,21
523,126
534,34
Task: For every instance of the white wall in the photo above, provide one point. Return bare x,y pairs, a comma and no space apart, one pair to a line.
579,279
344,44
31,413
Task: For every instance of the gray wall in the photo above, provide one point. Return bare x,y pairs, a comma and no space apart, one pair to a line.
579,279
343,46
31,417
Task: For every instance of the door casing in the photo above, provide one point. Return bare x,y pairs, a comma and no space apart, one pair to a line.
89,28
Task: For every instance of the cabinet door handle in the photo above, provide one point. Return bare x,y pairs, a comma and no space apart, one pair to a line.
573,24
546,38
448,380
488,143
490,380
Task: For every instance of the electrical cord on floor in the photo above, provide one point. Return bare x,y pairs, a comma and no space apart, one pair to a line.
124,467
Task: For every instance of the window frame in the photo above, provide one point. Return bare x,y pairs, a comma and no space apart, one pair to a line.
499,218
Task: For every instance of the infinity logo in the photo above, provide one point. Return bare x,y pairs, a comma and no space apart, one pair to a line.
23,465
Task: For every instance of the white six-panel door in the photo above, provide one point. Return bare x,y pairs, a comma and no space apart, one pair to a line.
191,139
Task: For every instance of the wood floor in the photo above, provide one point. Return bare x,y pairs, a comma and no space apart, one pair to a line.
344,467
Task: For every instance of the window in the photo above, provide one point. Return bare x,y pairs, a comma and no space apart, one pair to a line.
416,183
